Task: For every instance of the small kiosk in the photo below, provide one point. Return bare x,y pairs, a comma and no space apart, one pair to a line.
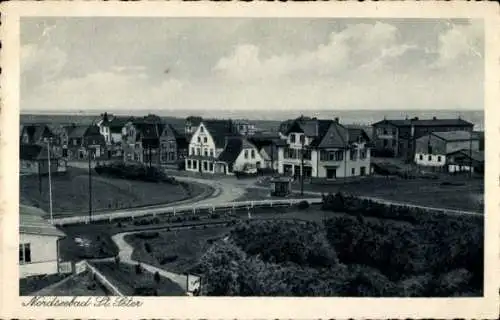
281,186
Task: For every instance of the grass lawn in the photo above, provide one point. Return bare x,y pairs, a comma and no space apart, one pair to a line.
35,283
461,193
79,285
125,278
70,192
177,250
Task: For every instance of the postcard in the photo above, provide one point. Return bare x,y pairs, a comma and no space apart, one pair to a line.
249,160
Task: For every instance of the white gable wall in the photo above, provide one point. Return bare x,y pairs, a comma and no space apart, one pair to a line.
241,161
202,133
43,255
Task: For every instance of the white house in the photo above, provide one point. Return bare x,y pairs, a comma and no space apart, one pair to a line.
433,150
215,147
38,243
324,149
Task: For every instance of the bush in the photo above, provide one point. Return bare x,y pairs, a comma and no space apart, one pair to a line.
147,235
157,277
168,259
138,269
134,172
303,205
147,247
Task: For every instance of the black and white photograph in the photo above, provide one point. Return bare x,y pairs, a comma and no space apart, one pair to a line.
251,157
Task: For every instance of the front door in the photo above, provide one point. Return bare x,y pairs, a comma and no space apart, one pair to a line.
331,173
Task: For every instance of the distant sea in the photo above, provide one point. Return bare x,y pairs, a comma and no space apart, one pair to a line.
356,117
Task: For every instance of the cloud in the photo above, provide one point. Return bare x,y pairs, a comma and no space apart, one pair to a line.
355,66
357,45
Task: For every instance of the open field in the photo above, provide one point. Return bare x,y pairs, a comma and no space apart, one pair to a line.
454,192
70,192
131,283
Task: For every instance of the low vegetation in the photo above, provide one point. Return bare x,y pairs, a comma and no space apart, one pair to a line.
32,284
372,250
134,280
134,172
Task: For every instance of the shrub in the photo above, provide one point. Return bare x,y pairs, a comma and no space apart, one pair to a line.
157,277
147,235
138,269
303,205
147,247
168,259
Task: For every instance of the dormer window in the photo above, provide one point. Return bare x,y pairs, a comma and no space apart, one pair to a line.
201,128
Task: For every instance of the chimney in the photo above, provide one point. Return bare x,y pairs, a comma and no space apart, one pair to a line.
336,119
434,118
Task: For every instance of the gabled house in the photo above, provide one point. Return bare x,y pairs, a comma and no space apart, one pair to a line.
141,140
84,141
38,243
41,134
207,143
36,134
111,127
397,137
244,127
432,150
173,147
238,155
34,159
268,149
465,160
323,149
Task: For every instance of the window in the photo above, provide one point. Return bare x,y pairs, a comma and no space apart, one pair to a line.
199,139
307,154
421,157
385,143
189,164
292,138
252,154
430,158
354,154
65,152
353,171
211,152
211,166
302,139
385,131
205,139
362,171
246,154
205,166
439,158
192,151
202,129
24,253
362,154
198,151
205,152
332,155
195,164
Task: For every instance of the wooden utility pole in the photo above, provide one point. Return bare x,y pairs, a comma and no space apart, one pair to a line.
89,155
302,166
470,155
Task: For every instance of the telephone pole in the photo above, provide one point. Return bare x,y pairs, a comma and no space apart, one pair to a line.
470,156
302,166
89,155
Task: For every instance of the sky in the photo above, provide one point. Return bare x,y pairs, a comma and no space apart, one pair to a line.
105,63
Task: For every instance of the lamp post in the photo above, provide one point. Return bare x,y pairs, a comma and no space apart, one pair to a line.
302,141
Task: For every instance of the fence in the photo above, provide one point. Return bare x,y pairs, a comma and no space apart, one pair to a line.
183,209
102,279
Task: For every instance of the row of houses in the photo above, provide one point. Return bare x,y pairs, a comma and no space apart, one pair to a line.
309,147
445,144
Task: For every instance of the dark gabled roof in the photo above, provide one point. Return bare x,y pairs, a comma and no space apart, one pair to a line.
194,120
117,123
31,222
37,131
455,135
220,130
32,152
425,122
471,154
357,133
233,148
181,139
77,131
